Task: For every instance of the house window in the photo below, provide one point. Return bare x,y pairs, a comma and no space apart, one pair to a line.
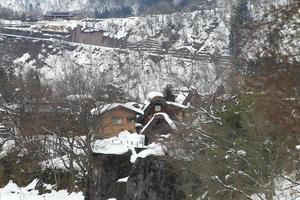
130,119
157,108
116,120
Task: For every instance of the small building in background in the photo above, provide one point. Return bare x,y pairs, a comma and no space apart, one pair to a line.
61,15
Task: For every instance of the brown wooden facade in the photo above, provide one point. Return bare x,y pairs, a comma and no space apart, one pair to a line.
156,127
48,118
116,120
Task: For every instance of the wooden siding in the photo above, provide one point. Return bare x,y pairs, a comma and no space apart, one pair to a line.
108,129
32,124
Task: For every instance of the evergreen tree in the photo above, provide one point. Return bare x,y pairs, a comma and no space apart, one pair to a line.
238,20
168,93
96,13
3,81
33,85
23,17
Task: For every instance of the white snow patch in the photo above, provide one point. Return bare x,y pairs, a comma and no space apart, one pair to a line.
153,149
6,147
123,179
181,98
120,144
152,95
107,107
13,192
242,153
22,59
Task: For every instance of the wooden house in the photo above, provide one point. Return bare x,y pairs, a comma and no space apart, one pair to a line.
160,124
160,117
158,104
115,118
48,118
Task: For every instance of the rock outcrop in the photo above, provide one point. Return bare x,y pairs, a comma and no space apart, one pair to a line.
105,171
150,178
154,178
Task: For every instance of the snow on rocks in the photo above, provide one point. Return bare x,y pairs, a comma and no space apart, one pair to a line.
298,147
153,149
122,180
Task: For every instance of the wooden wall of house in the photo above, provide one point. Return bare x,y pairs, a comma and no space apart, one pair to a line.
108,129
180,114
32,124
150,114
158,127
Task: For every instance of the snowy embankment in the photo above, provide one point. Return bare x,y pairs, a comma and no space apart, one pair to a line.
13,192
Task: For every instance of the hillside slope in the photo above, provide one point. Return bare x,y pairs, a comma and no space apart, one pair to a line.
180,49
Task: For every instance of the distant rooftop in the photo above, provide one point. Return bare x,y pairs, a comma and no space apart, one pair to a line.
59,14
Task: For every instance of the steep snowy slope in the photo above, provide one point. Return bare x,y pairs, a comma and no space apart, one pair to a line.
196,32
174,49
133,6
276,36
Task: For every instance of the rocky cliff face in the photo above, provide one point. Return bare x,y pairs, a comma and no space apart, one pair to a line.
154,178
183,49
106,170
113,8
151,178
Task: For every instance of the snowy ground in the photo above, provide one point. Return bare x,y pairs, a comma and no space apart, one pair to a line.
13,192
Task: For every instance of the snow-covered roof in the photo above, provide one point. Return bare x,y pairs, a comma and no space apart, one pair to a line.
152,95
108,107
165,116
181,97
177,104
76,97
120,144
